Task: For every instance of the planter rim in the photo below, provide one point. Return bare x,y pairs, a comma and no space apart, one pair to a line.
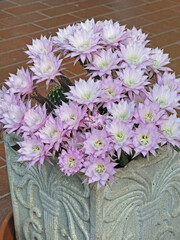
137,163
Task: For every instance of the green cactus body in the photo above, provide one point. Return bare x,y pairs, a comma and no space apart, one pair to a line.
56,96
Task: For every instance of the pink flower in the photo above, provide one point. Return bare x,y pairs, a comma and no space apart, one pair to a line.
52,132
7,98
135,55
134,35
170,80
46,68
146,139
166,98
149,112
159,60
71,161
97,143
33,151
76,141
134,80
112,33
40,47
121,134
170,128
96,120
71,115
85,92
123,111
34,119
13,117
99,170
103,62
111,90
61,41
21,83
82,44
88,25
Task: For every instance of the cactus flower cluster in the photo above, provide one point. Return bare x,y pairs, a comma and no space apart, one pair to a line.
128,105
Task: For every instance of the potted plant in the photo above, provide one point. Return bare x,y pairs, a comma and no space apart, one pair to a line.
96,159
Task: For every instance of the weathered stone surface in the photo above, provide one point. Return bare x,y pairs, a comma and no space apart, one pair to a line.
143,203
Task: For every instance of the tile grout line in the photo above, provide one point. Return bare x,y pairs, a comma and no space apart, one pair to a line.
5,195
26,5
3,166
49,17
144,14
10,65
36,24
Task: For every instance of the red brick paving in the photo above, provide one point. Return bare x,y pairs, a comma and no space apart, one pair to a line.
22,20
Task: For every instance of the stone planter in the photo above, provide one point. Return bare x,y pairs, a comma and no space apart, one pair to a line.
143,203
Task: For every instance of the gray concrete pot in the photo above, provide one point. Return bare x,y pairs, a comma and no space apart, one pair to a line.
143,203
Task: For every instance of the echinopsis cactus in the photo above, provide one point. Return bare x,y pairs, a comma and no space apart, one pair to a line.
127,107
56,96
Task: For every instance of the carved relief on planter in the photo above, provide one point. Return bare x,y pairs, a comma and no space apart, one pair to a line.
142,204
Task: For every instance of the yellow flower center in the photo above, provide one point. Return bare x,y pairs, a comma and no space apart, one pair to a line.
110,91
148,116
71,162
46,68
103,64
113,36
123,116
120,136
87,95
168,130
131,82
73,117
145,139
98,143
100,168
162,100
134,58
36,148
155,63
84,45
53,132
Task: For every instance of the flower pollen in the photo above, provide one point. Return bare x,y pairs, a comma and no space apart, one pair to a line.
148,116
72,162
98,143
111,92
120,136
100,168
145,139
36,148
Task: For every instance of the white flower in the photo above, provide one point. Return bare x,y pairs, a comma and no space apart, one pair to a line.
85,92
40,47
21,83
159,59
47,67
62,38
136,35
88,25
123,110
103,62
112,32
135,54
171,130
165,97
133,78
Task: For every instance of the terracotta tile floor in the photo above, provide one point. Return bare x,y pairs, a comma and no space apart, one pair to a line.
22,20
